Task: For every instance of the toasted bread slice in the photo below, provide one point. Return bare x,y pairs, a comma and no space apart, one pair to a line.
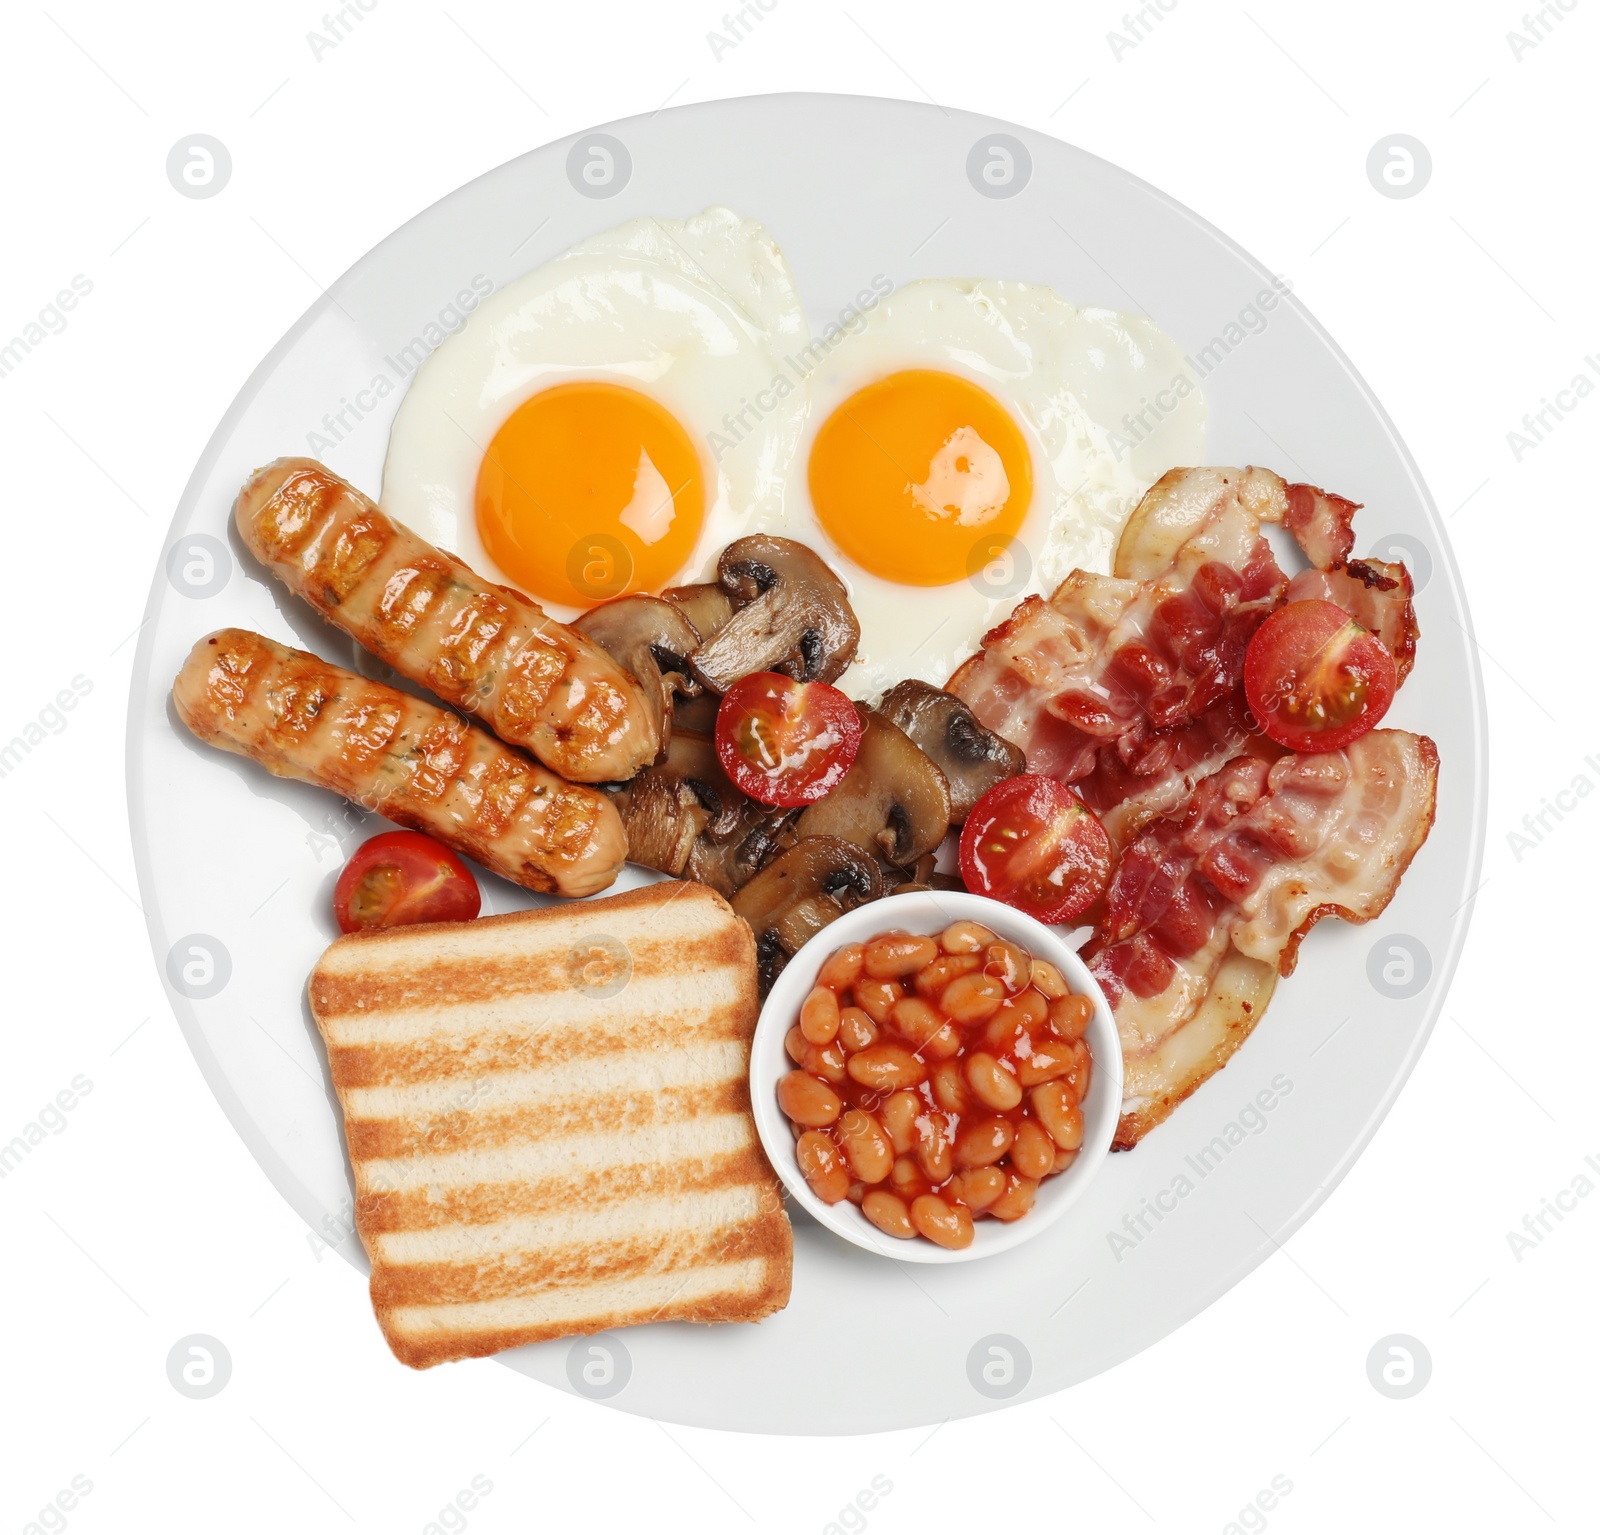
549,1120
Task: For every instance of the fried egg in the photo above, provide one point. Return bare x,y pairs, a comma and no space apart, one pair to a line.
969,443
606,423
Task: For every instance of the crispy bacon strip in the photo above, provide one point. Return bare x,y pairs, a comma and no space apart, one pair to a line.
1320,522
1129,686
1189,504
1212,902
1030,684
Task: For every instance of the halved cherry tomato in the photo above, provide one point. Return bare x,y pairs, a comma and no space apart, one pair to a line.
401,877
785,742
1032,843
1315,679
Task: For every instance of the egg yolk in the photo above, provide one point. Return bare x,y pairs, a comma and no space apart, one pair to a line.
590,491
916,476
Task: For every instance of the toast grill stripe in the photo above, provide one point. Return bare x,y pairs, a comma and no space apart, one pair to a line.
523,1050
673,918
574,1266
485,1129
638,1299
666,929
513,1163
714,1062
543,1031
483,1204
483,978
556,1228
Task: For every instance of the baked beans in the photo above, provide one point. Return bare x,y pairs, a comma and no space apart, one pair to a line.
856,1029
897,954
819,1017
888,1213
937,1079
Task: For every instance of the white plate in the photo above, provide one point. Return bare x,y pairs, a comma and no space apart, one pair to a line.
236,867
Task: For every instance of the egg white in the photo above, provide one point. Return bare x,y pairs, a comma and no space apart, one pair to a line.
1107,402
698,313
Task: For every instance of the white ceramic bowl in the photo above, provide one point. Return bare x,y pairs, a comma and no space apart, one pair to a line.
931,913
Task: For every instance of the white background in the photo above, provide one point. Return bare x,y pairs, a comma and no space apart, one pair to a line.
143,1219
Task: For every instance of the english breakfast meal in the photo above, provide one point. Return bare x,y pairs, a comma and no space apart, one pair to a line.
934,601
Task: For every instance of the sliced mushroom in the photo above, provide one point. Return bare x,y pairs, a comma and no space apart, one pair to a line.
971,756
799,893
684,817
651,639
693,755
921,872
663,815
921,876
707,606
728,861
793,616
802,922
893,803
697,714
930,886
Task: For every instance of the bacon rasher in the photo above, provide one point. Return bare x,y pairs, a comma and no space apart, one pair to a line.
1209,905
1129,687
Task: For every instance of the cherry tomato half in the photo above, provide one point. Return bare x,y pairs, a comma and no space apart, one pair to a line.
1315,679
401,877
1032,843
785,742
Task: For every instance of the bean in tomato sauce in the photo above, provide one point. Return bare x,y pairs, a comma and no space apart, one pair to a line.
938,1079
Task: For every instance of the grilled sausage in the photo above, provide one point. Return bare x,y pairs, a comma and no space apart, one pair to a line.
414,762
484,649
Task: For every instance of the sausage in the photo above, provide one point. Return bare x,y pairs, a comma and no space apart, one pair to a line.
484,649
414,762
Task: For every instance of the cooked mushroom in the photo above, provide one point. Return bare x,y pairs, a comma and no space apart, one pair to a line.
663,815
922,876
728,862
894,801
684,816
650,638
802,922
693,755
793,616
971,756
697,714
706,605
921,872
799,893
933,885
